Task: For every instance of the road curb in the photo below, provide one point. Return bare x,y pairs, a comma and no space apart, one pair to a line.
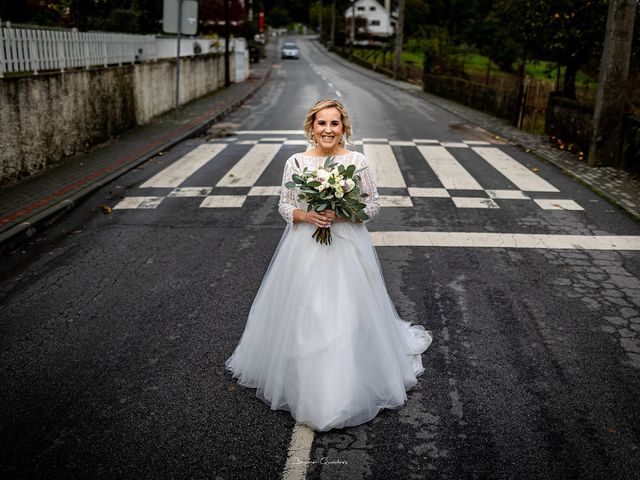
18,234
538,153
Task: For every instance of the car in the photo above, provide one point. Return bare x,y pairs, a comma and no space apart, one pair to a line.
289,50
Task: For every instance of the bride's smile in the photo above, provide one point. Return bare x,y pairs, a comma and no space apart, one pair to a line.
327,131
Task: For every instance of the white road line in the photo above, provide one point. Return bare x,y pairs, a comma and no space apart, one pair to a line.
557,204
296,142
423,140
191,192
273,139
375,140
476,142
428,192
474,202
138,202
395,201
451,174
269,132
246,172
299,453
223,201
385,165
454,144
507,195
517,173
330,84
504,240
180,170
401,143
338,93
264,191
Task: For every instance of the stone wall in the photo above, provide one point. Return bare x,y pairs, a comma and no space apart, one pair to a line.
49,117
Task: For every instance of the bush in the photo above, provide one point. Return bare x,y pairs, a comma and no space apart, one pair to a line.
122,20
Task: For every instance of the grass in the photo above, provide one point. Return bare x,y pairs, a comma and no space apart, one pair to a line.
475,65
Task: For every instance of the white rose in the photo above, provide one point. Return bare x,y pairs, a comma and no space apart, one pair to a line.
350,184
339,194
322,173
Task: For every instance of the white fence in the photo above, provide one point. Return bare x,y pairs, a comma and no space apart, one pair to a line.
33,50
30,50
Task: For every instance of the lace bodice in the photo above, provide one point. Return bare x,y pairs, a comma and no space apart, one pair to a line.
288,198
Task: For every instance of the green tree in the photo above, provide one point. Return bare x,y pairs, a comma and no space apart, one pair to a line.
568,32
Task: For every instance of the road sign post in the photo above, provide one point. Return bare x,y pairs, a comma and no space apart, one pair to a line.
179,17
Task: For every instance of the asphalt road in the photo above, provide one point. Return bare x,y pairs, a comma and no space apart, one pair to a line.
115,327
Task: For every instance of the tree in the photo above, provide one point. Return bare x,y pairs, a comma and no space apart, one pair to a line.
608,118
569,32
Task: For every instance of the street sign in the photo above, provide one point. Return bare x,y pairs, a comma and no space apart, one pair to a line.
188,18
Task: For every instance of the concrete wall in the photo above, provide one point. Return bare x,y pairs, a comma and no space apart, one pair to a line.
47,118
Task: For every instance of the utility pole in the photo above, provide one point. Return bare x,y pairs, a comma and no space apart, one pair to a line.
399,38
606,143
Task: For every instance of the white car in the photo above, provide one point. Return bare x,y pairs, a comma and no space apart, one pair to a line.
290,50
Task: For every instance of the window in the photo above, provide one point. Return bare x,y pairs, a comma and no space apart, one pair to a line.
361,9
372,9
375,23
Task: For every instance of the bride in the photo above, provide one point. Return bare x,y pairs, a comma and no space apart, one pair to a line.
323,339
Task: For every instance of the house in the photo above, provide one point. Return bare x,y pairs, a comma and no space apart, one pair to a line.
379,20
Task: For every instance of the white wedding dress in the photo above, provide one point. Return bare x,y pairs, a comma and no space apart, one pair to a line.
323,339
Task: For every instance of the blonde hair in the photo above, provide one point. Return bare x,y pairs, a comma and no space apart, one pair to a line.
321,105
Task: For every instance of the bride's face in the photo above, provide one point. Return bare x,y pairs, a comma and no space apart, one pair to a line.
327,129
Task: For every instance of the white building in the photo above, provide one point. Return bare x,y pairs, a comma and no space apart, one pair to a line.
378,17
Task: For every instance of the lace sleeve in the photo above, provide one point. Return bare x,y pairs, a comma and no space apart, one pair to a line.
369,187
287,203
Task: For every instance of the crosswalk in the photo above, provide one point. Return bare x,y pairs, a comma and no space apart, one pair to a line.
456,183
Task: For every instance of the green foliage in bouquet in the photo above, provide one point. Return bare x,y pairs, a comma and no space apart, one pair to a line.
333,186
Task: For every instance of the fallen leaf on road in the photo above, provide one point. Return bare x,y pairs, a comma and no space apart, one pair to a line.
535,169
106,209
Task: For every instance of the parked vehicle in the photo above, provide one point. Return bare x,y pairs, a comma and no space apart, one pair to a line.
290,50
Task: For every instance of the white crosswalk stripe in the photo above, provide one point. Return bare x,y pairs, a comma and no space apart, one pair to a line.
385,166
246,172
517,173
450,173
176,173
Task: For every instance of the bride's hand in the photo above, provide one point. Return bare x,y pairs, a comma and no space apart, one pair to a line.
331,216
317,219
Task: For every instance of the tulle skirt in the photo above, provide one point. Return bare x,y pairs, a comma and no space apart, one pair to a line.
323,339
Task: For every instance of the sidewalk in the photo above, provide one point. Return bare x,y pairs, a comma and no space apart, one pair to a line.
619,187
38,201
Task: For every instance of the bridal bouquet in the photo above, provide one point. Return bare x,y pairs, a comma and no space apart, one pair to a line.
332,186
